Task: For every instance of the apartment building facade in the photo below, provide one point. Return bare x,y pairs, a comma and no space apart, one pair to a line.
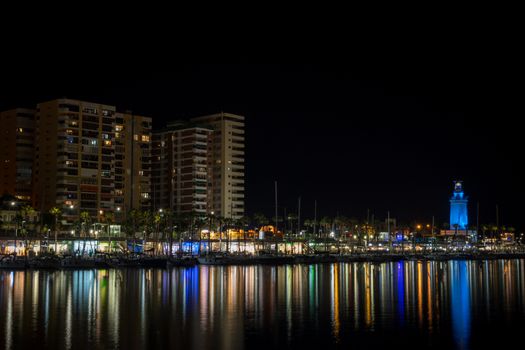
180,174
90,158
74,158
16,152
132,163
226,163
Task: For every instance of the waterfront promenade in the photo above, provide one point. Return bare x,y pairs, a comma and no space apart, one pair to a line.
120,260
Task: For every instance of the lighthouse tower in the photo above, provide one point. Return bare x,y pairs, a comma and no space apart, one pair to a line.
458,208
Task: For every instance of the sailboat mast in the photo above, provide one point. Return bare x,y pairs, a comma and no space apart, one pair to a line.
388,227
299,217
477,220
276,220
315,216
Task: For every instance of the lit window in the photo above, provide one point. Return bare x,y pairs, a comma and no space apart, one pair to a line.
107,143
93,142
20,130
118,127
69,131
136,137
145,195
141,173
145,138
117,135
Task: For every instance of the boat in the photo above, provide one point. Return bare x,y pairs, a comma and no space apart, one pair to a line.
13,262
73,262
183,261
216,259
45,262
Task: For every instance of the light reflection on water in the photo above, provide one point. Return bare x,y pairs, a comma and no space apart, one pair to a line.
456,304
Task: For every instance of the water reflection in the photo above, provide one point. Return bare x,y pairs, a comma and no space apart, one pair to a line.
457,304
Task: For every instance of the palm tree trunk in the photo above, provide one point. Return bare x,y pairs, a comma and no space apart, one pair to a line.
56,241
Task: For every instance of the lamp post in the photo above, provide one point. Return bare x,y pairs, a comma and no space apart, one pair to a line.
16,225
157,235
209,232
100,227
71,208
418,228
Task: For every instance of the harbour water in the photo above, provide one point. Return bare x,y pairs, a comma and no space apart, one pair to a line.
409,305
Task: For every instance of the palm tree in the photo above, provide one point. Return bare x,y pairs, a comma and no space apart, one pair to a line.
228,222
260,220
85,219
133,221
209,217
108,218
166,227
157,219
56,212
220,221
484,229
244,222
25,213
291,218
147,226
325,223
200,223
177,230
309,223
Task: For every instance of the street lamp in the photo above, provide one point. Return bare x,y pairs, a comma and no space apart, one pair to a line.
209,231
418,227
16,226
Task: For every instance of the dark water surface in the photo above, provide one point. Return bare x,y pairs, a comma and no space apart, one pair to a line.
409,305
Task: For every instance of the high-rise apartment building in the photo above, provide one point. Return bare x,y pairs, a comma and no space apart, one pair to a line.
82,156
74,158
90,158
132,163
16,152
226,163
180,174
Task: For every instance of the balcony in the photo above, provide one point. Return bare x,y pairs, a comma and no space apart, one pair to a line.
237,153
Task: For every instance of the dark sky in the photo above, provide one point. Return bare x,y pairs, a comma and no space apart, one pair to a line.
353,138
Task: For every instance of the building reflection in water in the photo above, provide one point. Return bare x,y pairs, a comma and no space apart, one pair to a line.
233,307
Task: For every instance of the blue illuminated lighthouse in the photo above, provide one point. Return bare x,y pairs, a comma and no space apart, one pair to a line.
458,208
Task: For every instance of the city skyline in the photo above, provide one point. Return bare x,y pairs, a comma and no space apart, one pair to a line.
352,142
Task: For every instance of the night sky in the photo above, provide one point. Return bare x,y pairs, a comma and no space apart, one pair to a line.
352,138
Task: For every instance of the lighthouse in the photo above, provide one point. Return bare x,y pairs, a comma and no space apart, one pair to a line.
458,208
